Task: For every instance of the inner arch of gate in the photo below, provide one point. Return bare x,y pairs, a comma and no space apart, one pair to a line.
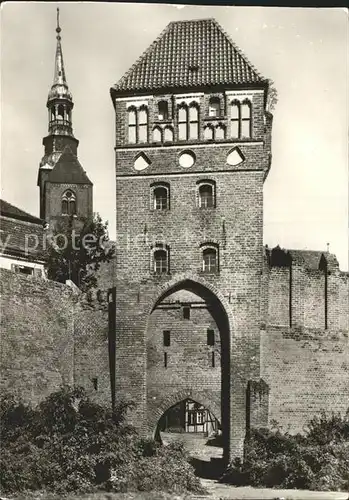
176,387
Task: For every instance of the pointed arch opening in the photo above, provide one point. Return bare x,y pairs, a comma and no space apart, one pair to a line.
208,383
68,203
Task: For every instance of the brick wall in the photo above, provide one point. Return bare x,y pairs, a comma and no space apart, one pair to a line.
50,336
296,296
305,376
37,335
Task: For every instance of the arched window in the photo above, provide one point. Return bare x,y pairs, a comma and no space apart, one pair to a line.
210,260
60,112
246,119
68,203
193,121
143,124
235,119
157,134
160,260
168,134
206,196
137,125
161,196
241,123
132,125
183,123
214,107
163,110
208,133
220,132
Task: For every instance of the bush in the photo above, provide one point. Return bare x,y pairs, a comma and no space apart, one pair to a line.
69,443
319,460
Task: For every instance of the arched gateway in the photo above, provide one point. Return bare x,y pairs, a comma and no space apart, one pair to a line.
188,343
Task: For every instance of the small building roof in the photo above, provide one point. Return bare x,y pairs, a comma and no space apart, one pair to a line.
190,54
9,210
22,234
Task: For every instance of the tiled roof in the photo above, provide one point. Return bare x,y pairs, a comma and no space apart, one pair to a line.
189,54
21,238
68,170
9,210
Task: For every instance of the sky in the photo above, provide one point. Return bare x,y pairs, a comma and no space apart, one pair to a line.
304,51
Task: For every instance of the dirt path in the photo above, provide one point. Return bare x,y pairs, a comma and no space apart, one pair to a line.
219,491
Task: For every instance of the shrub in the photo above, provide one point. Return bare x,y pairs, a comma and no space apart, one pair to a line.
319,460
68,443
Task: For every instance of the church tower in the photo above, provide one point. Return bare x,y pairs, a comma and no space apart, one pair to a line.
65,189
193,148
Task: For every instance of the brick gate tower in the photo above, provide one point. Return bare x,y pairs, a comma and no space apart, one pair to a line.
193,148
64,186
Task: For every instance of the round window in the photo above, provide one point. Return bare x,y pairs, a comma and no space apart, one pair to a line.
187,159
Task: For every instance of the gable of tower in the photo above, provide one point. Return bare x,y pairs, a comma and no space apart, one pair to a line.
68,169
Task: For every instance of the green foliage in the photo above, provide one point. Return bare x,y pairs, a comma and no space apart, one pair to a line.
272,97
76,253
68,443
319,460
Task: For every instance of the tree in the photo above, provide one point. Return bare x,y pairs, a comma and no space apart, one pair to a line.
76,253
272,98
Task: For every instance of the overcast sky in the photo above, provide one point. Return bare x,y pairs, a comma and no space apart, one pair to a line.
305,52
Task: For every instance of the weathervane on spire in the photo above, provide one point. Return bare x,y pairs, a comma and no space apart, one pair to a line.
58,29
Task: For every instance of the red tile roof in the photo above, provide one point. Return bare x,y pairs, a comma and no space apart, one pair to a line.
189,54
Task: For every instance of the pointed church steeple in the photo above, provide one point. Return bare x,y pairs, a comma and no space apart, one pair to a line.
60,100
60,169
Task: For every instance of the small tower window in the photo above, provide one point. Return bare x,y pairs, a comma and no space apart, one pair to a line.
137,125
157,134
210,337
241,123
60,112
167,338
246,119
214,107
132,125
182,122
161,260
168,134
160,196
143,125
208,133
68,203
186,312
209,260
235,119
206,196
220,132
193,121
163,110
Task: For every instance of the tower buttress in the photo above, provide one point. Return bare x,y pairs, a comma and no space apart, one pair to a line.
60,173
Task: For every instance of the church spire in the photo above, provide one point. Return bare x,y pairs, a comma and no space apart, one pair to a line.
60,101
59,77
